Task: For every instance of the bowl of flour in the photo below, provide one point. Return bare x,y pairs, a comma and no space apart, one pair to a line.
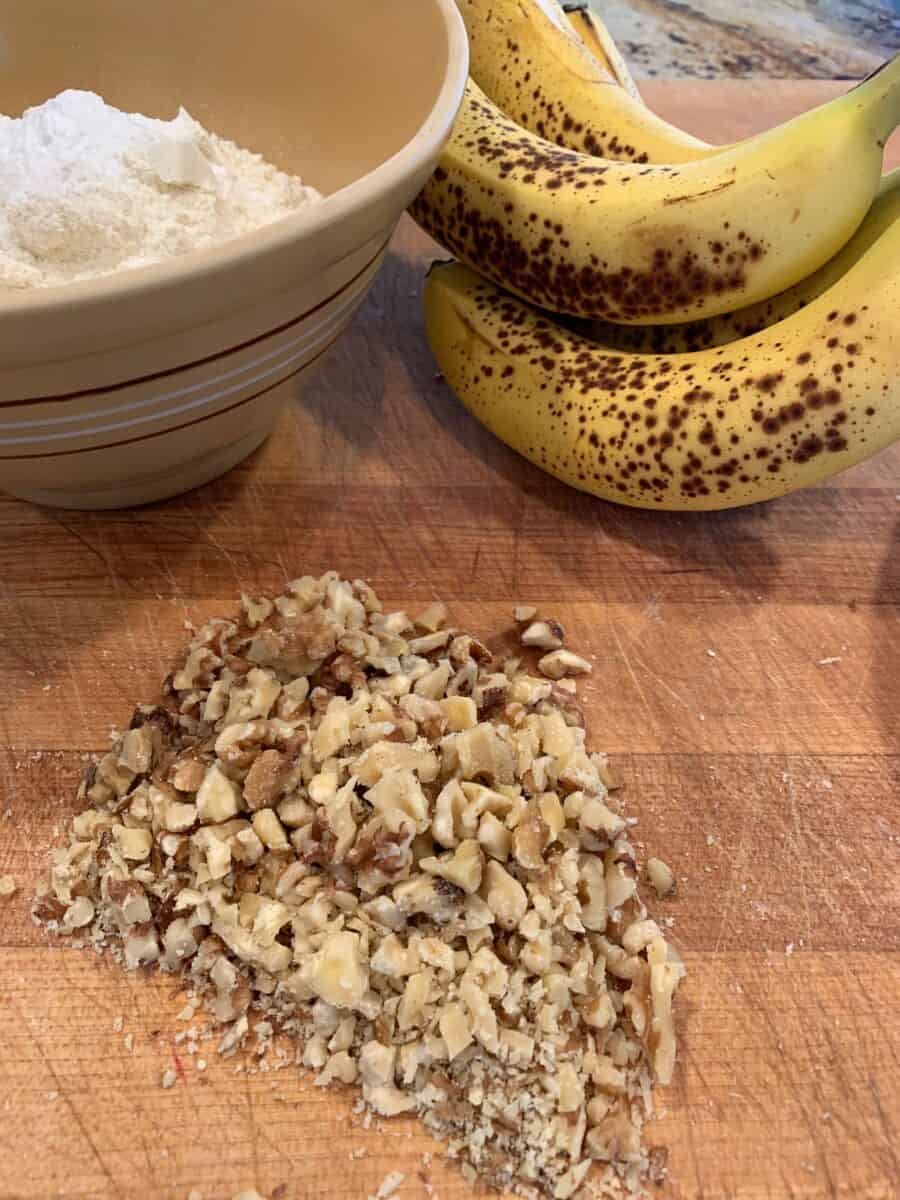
89,190
195,201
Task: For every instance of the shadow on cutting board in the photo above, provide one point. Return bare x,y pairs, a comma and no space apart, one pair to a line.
757,553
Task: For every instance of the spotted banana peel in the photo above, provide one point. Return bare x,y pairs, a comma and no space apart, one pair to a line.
728,426
719,331
529,61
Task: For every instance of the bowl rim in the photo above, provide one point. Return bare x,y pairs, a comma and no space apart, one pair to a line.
277,236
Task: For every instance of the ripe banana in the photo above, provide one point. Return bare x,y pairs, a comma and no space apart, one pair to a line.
718,331
647,244
597,39
527,59
814,394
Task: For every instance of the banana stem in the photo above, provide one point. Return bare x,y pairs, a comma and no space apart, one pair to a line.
878,95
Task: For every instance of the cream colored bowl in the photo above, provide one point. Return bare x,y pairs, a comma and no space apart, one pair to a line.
142,384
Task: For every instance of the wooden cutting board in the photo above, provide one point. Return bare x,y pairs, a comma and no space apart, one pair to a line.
747,682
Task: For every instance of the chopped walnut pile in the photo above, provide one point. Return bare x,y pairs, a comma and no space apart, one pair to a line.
400,851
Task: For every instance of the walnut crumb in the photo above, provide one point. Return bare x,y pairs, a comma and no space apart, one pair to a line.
8,886
388,1185
545,635
169,1078
560,663
661,877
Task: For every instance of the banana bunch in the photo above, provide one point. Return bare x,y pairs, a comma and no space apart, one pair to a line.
810,396
768,260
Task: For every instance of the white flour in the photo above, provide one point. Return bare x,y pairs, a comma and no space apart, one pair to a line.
86,190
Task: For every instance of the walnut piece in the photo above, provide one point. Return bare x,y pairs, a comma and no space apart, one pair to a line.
560,663
524,612
218,797
134,844
432,618
336,972
661,877
546,635
463,866
505,896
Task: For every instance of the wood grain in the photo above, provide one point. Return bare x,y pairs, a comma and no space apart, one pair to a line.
766,772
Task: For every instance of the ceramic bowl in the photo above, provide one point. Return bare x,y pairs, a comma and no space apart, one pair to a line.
145,383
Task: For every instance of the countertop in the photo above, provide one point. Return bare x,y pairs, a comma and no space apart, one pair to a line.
746,684
713,39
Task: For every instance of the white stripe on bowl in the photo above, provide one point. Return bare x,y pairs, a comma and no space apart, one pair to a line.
303,341
170,412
